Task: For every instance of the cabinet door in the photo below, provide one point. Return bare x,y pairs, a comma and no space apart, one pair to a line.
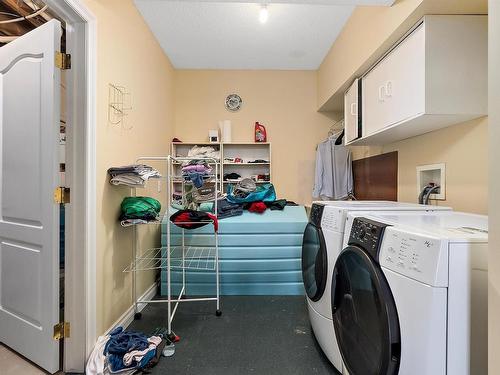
352,112
394,90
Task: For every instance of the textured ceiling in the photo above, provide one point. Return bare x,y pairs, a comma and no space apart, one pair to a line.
228,35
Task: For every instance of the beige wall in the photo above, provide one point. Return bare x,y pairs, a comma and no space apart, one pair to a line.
128,55
463,148
284,101
494,217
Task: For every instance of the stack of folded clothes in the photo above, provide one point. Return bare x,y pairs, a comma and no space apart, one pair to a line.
195,171
134,175
139,210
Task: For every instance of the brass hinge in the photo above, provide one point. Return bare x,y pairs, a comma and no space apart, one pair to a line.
62,195
61,330
63,60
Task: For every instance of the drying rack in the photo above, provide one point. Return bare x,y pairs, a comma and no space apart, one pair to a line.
182,257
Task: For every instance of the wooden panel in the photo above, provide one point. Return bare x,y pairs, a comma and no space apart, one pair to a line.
376,177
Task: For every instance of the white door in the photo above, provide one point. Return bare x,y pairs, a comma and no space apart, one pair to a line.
29,218
351,113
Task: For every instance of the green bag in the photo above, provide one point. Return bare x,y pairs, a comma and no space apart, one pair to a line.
146,208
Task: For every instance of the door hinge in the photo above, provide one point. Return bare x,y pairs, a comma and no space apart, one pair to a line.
63,60
62,195
61,330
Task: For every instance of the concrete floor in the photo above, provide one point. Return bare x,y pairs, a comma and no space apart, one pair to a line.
255,335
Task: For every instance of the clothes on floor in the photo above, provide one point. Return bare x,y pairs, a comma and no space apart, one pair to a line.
139,208
122,352
140,355
134,175
333,177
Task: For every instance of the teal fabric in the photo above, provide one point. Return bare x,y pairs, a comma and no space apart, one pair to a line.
264,193
259,254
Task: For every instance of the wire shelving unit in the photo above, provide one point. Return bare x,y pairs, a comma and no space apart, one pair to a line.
183,257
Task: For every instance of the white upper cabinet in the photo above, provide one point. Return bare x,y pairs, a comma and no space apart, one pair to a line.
352,113
436,76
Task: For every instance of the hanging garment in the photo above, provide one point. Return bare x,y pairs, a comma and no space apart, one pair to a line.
333,178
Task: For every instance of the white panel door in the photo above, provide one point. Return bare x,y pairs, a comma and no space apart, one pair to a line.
351,113
394,90
29,218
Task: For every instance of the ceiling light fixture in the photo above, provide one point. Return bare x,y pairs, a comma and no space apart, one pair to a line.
263,14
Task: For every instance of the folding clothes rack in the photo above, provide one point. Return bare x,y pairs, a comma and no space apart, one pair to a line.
182,257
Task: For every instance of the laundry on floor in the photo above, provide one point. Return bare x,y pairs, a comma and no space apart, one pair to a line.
139,210
135,175
125,352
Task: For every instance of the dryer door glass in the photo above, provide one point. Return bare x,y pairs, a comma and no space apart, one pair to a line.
364,315
314,262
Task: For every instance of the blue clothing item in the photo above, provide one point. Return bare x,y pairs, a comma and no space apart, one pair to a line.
196,178
147,357
264,193
120,343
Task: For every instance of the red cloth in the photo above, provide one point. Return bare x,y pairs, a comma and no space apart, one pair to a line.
257,207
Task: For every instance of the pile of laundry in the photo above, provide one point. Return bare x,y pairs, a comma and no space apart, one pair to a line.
139,210
196,171
203,152
245,195
134,175
126,352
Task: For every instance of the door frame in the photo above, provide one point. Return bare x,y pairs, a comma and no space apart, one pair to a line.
80,282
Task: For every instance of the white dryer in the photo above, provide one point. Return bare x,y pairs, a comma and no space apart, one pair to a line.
409,294
322,243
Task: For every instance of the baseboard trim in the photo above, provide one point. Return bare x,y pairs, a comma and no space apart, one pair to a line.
128,316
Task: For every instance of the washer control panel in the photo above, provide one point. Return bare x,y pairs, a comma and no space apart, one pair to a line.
316,214
367,234
421,257
331,218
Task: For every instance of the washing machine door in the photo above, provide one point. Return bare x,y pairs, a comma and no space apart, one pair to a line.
314,262
364,315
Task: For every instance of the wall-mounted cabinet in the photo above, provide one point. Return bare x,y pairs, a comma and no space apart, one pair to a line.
352,113
436,76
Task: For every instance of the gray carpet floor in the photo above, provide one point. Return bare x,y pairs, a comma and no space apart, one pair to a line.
255,335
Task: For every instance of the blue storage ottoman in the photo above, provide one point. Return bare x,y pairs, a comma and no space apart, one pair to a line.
259,254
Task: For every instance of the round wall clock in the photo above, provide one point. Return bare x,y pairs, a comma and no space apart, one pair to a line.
233,102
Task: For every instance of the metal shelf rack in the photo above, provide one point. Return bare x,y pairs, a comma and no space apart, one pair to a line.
184,257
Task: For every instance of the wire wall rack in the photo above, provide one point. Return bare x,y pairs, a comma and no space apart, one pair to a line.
179,257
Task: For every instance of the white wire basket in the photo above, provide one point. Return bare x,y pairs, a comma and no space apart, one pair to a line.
187,257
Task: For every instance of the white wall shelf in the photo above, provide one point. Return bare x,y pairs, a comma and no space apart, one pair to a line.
247,151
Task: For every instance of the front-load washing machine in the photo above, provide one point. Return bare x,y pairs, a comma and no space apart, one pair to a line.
322,243
409,294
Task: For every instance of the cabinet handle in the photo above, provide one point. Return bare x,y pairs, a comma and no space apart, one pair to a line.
388,89
354,109
381,90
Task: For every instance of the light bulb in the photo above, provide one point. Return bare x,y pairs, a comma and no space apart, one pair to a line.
263,14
